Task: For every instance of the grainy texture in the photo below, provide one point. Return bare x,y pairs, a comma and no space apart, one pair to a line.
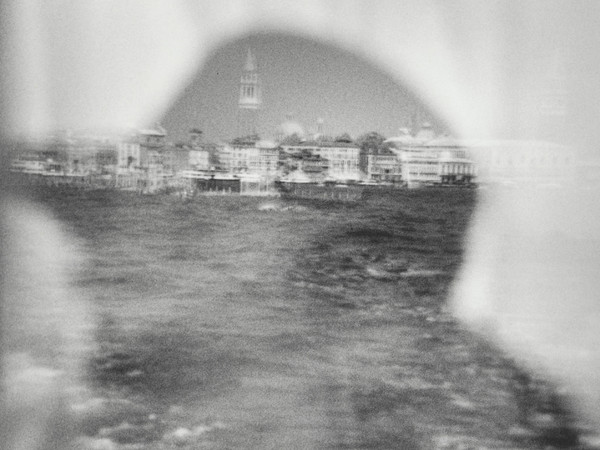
236,322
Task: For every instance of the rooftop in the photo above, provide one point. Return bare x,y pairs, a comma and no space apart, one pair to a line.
325,144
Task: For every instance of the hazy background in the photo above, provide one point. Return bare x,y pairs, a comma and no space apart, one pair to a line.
488,68
301,78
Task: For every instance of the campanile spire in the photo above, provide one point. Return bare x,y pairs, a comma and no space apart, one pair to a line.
250,97
250,62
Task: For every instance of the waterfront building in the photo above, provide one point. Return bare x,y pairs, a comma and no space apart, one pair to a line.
430,161
199,158
250,156
129,153
213,181
142,149
314,166
39,154
224,155
62,153
28,165
304,164
198,153
381,166
92,153
341,158
175,159
246,166
420,166
455,164
447,160
65,152
527,161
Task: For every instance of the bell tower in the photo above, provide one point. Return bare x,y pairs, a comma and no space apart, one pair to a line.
250,98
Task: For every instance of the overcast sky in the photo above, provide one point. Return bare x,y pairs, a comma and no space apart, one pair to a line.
299,77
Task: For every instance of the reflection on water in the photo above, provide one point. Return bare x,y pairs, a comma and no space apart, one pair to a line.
225,323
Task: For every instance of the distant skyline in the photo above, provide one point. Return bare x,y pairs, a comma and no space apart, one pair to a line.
299,77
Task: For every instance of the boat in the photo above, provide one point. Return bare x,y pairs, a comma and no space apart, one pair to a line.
319,191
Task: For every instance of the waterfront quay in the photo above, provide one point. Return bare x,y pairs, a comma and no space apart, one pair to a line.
136,182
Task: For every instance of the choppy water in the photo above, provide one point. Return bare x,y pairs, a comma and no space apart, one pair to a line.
236,322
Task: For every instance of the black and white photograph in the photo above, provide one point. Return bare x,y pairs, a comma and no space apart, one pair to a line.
280,225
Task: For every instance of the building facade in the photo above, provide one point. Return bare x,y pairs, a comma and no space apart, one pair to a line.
141,150
175,159
259,157
93,154
303,164
456,167
384,166
528,161
199,158
67,153
342,159
443,161
420,166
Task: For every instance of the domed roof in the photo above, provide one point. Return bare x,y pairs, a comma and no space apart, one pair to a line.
404,138
444,141
290,127
426,133
266,143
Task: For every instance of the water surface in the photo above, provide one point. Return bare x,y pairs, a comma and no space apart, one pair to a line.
238,322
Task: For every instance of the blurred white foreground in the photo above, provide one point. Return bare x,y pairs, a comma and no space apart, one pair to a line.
493,70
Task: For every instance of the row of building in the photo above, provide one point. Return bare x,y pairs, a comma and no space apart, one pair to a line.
410,159
421,159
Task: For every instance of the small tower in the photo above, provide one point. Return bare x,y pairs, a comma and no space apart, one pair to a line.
195,137
250,98
320,123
